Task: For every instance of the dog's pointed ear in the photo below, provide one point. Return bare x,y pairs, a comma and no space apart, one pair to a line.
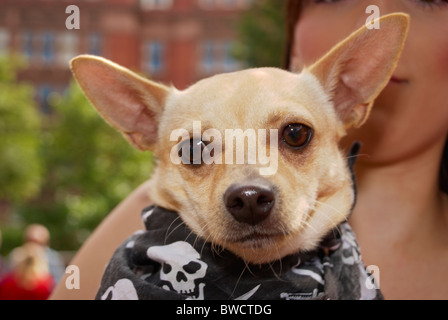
128,102
356,70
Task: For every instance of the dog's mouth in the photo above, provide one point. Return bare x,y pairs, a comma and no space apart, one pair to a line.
257,239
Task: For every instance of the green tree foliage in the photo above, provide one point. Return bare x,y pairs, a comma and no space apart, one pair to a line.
67,170
89,169
261,34
20,166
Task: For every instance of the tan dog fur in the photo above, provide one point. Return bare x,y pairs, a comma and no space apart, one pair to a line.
313,186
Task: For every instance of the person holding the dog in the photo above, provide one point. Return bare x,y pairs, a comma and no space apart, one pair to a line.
401,216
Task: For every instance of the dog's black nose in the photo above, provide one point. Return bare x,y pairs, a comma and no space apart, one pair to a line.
249,204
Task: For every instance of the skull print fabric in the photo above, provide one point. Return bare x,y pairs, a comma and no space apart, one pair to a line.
181,267
167,261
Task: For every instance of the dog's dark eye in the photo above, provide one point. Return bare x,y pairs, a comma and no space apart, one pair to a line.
190,151
297,135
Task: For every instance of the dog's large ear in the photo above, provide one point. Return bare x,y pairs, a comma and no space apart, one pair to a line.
128,102
356,70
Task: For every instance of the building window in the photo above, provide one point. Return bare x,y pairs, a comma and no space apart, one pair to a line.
208,57
48,47
4,40
153,57
95,43
229,62
27,44
217,57
224,4
38,47
67,47
156,4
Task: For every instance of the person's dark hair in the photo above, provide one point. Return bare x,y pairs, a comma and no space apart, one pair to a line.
293,9
444,170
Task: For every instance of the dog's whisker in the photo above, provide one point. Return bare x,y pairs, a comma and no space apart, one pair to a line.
196,239
246,267
215,247
328,218
212,245
205,241
306,223
271,266
204,244
335,210
220,248
320,218
357,156
168,232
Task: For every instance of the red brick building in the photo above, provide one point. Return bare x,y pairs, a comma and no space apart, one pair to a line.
174,41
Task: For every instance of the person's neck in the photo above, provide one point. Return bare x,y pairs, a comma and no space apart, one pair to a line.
401,203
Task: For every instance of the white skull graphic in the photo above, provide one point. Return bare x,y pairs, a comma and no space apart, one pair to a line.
180,266
122,290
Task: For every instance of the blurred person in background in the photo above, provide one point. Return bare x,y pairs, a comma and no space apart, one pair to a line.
39,234
29,277
2,262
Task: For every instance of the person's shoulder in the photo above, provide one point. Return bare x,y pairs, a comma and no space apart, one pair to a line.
53,254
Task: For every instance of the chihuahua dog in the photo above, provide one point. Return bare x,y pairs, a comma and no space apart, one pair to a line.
257,214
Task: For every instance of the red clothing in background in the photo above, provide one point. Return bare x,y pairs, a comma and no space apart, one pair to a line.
10,288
